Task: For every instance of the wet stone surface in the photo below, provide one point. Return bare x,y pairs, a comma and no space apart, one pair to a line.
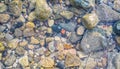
59,34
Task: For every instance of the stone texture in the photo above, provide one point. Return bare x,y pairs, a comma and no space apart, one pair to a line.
4,18
67,14
10,60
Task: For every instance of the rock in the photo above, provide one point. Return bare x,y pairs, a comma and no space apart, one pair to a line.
60,46
67,14
49,30
31,46
30,25
41,50
8,36
23,43
20,51
18,32
106,13
83,3
2,47
28,32
3,7
117,61
67,46
93,40
4,18
116,28
90,20
21,19
31,16
42,11
47,62
10,60
71,51
51,46
80,30
60,65
13,43
2,28
56,28
118,39
50,22
0,56
72,60
34,40
24,61
74,38
116,5
2,35
68,26
16,11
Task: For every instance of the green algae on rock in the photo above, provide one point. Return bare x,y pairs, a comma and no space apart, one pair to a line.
90,20
42,11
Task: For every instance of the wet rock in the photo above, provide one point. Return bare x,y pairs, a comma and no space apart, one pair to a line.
83,3
2,47
30,25
8,36
16,11
106,14
90,20
74,38
20,50
80,30
4,18
67,14
116,28
28,32
72,60
68,26
24,61
42,11
47,62
13,43
117,61
3,7
18,32
93,40
10,60
34,40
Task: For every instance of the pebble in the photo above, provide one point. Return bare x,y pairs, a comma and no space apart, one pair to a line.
20,51
2,28
31,16
117,61
8,36
13,43
21,19
10,60
56,28
4,18
24,61
2,47
18,32
118,39
51,46
67,14
47,62
42,11
3,7
31,47
80,30
90,20
72,60
116,28
23,43
116,5
30,25
28,32
0,56
34,40
50,22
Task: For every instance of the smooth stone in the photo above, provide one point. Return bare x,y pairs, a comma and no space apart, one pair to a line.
0,56
68,26
23,43
4,18
80,30
72,60
106,13
116,28
21,19
10,60
74,38
42,10
56,28
34,40
2,28
117,61
90,20
31,16
1,65
118,39
94,40
13,43
51,46
24,61
116,5
31,46
3,7
28,32
47,62
20,51
8,36
67,14
30,25
60,65
18,32
41,50
50,22
2,47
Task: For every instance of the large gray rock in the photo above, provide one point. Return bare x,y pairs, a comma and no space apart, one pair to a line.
106,13
93,40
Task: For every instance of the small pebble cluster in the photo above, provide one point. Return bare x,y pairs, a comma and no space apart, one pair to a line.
59,34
